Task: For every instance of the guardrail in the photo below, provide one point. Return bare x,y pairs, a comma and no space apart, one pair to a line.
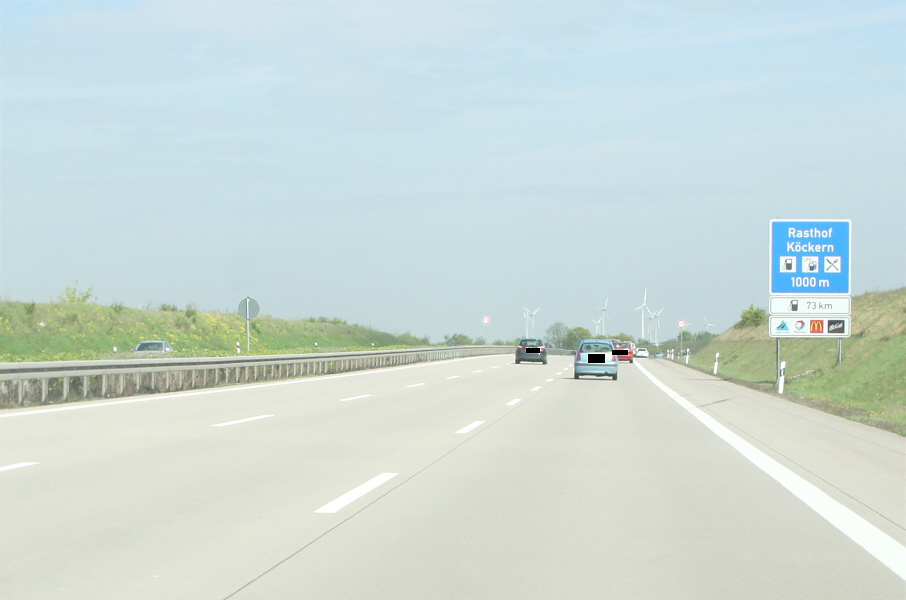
36,383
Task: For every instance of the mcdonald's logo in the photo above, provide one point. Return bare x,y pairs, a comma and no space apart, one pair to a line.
817,326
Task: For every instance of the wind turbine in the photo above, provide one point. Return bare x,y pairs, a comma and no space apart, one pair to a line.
531,315
644,306
707,324
526,318
604,318
657,323
597,322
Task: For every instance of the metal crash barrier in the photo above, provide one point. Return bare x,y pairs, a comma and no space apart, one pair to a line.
38,383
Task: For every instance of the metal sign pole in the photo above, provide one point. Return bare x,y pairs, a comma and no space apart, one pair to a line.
248,334
778,360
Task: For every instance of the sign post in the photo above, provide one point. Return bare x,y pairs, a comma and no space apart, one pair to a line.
248,308
810,280
486,320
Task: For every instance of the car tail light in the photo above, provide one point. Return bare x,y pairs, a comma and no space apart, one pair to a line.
578,355
543,347
520,347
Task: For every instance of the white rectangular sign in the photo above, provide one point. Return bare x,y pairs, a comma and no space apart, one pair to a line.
810,305
810,326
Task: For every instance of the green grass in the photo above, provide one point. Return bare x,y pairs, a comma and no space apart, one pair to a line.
869,386
84,331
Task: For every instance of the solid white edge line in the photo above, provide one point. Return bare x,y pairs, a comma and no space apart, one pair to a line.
242,421
471,426
514,401
355,398
18,466
880,545
354,494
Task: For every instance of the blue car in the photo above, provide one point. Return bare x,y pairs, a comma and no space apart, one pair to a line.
595,357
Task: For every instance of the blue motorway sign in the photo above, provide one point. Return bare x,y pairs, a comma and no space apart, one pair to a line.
810,257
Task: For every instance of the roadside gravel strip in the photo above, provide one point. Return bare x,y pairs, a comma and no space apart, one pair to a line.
880,545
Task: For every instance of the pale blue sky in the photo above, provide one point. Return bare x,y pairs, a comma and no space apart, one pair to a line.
414,166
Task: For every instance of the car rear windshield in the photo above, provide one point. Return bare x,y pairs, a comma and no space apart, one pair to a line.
596,347
531,343
150,346
622,344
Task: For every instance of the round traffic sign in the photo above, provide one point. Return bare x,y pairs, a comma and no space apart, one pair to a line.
681,323
248,308
486,320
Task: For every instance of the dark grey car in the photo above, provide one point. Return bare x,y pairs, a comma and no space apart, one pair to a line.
531,349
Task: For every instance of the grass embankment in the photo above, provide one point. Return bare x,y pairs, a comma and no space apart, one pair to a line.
870,385
84,331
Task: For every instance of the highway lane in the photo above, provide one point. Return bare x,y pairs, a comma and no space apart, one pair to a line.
495,481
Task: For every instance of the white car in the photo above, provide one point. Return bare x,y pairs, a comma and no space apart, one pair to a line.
642,353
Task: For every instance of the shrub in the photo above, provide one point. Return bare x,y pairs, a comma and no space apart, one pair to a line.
752,317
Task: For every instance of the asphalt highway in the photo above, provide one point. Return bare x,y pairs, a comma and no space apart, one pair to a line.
471,478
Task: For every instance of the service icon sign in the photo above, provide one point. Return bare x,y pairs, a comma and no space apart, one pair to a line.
810,256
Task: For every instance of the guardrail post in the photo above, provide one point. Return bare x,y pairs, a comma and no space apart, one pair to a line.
66,389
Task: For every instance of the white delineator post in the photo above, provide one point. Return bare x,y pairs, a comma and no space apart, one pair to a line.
780,379
716,358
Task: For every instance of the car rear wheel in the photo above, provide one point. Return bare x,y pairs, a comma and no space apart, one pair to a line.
575,375
614,376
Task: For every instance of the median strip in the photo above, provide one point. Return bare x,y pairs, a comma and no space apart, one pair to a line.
354,494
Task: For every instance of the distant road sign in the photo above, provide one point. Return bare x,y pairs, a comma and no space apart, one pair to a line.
681,323
810,326
248,308
486,320
810,256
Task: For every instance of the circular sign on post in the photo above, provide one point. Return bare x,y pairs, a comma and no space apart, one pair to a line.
486,320
248,308
681,323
